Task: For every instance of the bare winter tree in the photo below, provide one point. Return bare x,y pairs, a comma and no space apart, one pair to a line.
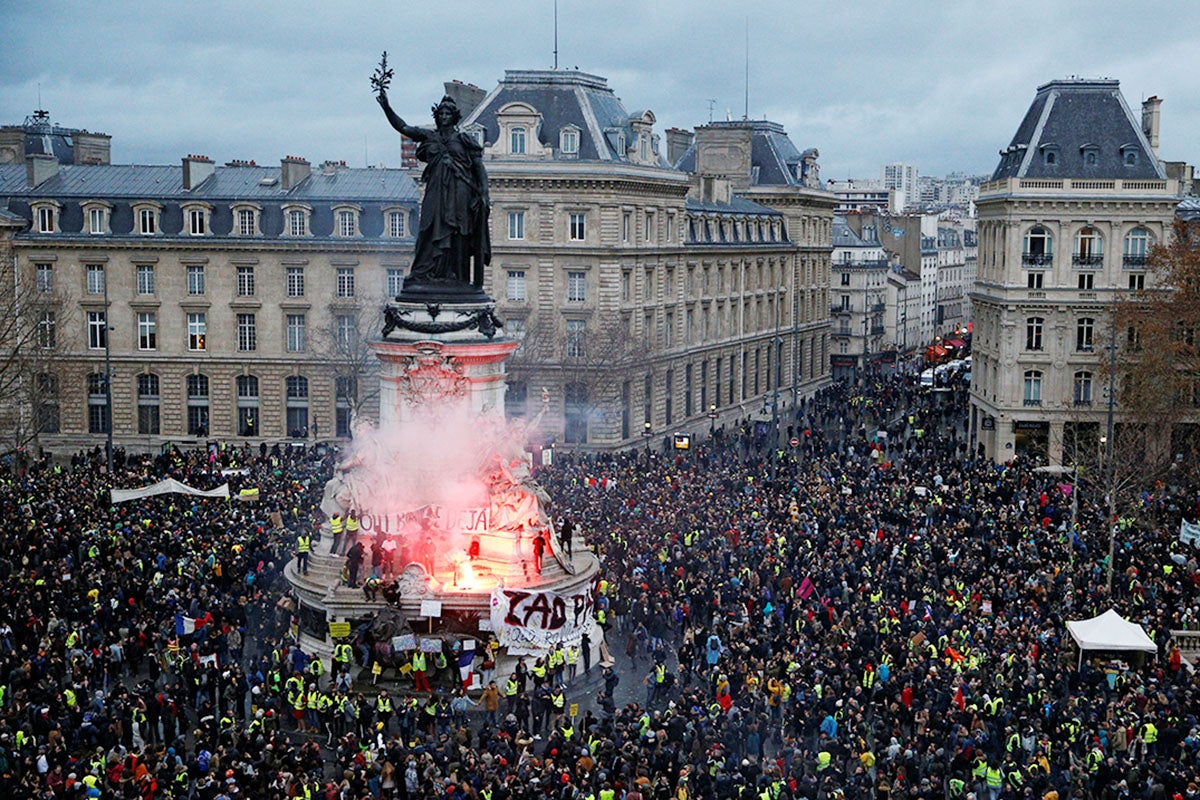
343,345
32,313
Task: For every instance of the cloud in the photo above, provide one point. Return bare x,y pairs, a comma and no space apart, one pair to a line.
942,86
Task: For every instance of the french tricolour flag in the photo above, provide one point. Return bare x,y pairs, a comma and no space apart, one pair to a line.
185,625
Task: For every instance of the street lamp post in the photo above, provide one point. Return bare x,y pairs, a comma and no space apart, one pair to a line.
108,376
1110,501
712,420
647,433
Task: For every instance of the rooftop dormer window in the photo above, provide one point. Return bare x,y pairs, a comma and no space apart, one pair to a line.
568,140
517,141
1091,155
1129,155
1050,155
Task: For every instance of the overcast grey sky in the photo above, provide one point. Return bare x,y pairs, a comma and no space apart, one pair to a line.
941,85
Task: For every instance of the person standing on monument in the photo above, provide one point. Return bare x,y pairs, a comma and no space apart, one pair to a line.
453,243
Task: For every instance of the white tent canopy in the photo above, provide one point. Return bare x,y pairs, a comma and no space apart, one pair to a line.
167,486
1110,631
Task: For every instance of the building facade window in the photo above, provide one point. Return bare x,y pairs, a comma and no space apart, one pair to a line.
197,405
1033,332
347,223
1039,247
246,222
516,225
1137,281
247,333
48,420
147,330
97,327
247,404
577,226
95,278
345,281
1087,281
515,289
245,281
1137,248
576,338
1084,331
97,220
148,404
575,412
296,404
569,141
145,279
147,221
1083,388
197,221
345,330
46,218
295,281
297,222
576,287
1033,387
1089,248
197,329
517,141
397,224
395,281
99,416
297,334
47,330
44,278
195,279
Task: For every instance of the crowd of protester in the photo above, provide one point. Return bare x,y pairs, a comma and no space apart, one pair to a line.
876,612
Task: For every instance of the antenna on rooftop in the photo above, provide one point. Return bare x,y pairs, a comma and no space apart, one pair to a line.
556,34
712,104
746,115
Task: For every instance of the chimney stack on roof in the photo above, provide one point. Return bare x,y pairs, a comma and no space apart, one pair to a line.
39,168
293,171
196,170
1150,113
678,142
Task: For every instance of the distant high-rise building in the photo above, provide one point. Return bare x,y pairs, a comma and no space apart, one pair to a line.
903,177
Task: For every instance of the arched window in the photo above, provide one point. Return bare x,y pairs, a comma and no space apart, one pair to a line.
1039,248
1033,387
1089,248
247,405
197,405
296,397
1137,247
147,402
99,416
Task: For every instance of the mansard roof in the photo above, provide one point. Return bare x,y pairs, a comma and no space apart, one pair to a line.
564,98
1074,118
250,183
774,159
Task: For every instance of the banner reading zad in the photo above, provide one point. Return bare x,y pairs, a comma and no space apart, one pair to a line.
1189,532
540,619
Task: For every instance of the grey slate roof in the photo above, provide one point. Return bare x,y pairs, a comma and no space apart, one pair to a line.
774,159
227,183
736,205
844,236
1188,208
1072,117
562,97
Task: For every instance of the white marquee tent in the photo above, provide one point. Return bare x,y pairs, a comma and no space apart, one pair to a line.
1110,631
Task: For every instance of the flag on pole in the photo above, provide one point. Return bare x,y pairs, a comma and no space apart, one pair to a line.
186,625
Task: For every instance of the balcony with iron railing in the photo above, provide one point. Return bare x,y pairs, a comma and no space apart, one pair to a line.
1037,259
1030,401
840,309
1134,262
1087,260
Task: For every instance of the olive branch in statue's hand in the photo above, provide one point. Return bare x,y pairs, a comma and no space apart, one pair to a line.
382,77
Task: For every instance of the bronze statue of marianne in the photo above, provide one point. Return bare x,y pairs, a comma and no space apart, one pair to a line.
453,244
